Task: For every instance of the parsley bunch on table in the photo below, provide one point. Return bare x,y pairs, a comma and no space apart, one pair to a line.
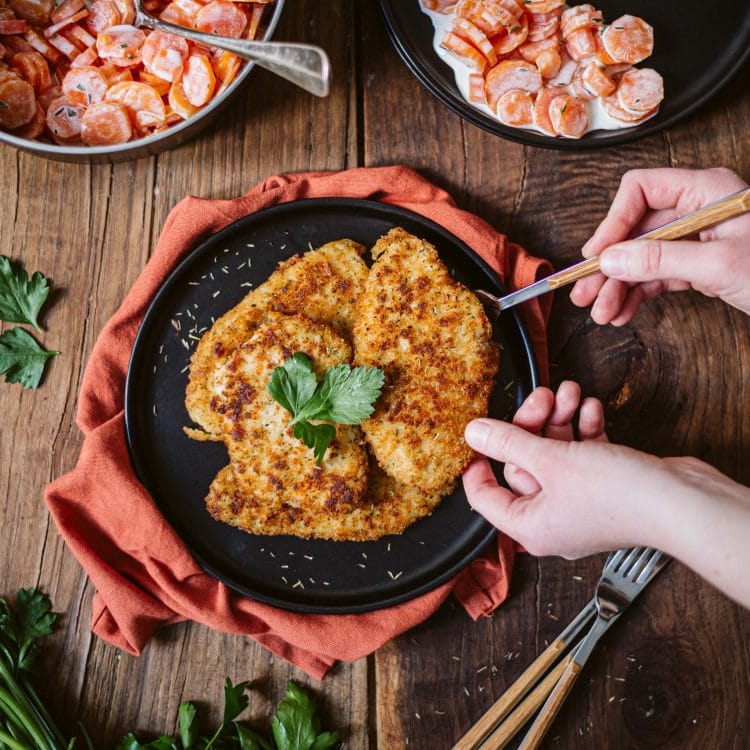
345,395
22,359
25,723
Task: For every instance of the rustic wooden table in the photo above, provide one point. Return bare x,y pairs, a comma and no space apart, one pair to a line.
674,674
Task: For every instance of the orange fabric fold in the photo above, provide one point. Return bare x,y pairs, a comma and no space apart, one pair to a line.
143,574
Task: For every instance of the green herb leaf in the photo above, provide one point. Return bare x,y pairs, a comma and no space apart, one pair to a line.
315,436
235,700
22,359
30,619
130,742
250,740
296,725
21,298
293,384
188,725
346,395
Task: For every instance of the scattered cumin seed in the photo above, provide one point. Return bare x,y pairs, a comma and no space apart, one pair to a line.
216,293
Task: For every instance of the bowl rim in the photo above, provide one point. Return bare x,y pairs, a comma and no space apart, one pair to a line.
50,149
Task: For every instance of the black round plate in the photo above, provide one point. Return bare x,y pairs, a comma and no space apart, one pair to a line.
303,575
696,50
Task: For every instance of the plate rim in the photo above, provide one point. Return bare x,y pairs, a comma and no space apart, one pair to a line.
527,357
528,138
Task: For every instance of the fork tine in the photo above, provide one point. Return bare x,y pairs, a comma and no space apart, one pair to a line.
650,566
614,559
632,572
633,552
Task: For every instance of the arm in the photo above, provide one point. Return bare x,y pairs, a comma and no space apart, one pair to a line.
574,498
716,264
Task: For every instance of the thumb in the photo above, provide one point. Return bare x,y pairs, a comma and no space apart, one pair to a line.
697,263
509,444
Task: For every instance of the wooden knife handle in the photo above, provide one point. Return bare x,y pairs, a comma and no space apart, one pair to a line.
549,711
727,208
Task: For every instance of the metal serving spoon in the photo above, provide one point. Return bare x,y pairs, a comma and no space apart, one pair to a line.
727,208
304,65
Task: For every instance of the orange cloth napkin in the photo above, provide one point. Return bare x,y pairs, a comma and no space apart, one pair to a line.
143,574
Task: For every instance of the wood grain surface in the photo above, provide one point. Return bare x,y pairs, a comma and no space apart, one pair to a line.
674,674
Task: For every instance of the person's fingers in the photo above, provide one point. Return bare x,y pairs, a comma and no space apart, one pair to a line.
559,425
485,495
652,220
630,306
534,412
520,481
509,443
639,191
698,263
591,420
584,291
609,302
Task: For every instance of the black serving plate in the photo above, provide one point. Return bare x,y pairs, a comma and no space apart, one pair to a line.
698,47
321,576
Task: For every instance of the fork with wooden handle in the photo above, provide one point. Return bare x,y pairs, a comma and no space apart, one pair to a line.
489,725
627,573
708,216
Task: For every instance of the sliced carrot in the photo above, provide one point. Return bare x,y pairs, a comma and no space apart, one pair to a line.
102,15
143,102
121,45
15,26
640,90
256,16
568,116
79,36
549,63
581,44
198,80
52,30
515,108
179,102
477,94
513,38
17,103
36,12
106,124
87,57
67,9
64,45
40,44
596,80
189,7
35,127
160,84
221,17
85,86
464,51
64,119
476,37
509,75
629,39
225,66
540,115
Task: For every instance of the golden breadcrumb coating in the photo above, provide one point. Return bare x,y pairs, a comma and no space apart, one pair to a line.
323,284
268,460
431,336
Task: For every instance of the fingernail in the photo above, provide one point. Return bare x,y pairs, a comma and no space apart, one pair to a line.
476,433
613,262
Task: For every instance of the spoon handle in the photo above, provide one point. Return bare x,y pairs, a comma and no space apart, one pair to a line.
304,65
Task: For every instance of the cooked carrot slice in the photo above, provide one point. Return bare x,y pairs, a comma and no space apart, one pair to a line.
106,124
66,9
255,18
440,6
64,119
41,45
549,63
85,85
542,6
509,75
171,50
579,17
79,36
179,102
476,37
629,39
221,17
596,80
121,44
35,127
103,14
17,103
142,101
640,89
568,116
612,107
515,107
189,7
540,115
87,57
477,93
126,9
226,65
14,26
513,38
531,50
464,51
52,30
159,84
199,80
36,12
173,14
581,44
538,32
46,97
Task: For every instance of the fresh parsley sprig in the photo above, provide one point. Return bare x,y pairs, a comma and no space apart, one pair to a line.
21,297
22,360
345,395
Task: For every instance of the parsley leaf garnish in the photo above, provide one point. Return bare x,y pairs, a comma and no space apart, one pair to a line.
296,725
21,358
21,298
346,395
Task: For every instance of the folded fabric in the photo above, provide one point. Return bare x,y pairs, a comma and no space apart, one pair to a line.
143,574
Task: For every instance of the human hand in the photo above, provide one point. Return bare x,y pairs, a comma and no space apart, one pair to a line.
717,266
566,497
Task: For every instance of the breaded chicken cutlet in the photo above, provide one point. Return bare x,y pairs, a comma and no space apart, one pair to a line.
323,284
268,461
433,340
390,508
